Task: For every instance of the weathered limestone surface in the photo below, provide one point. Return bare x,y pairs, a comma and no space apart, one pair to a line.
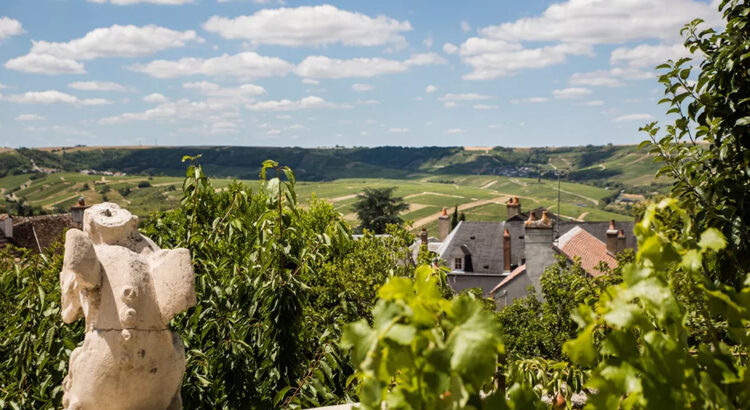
128,289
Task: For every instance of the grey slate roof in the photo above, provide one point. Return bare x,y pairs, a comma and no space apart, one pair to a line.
484,240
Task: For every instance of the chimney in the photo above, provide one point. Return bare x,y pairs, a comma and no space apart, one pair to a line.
538,235
76,213
506,251
621,241
513,206
444,225
612,238
423,236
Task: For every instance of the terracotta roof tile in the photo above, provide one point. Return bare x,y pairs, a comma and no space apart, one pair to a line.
579,243
517,271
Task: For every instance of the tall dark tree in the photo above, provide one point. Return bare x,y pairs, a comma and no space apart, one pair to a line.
454,218
377,208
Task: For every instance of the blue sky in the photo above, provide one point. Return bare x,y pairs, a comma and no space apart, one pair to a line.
352,73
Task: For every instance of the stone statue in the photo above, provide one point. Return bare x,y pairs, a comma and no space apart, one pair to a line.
128,289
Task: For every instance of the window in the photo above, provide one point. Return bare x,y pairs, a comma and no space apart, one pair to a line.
458,264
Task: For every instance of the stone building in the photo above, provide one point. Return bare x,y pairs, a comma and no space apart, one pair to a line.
39,232
504,258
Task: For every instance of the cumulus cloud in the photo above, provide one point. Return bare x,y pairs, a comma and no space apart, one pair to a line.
573,27
615,77
450,48
311,26
530,100
425,59
155,98
53,97
465,26
45,64
362,87
310,81
98,86
209,111
215,90
455,131
571,93
310,102
244,65
593,103
324,67
648,56
130,2
449,104
634,117
484,107
430,89
9,27
29,117
115,41
605,21
398,130
465,97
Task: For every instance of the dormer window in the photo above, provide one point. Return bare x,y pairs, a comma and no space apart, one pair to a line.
458,264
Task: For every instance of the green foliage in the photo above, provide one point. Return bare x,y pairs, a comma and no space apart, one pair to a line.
635,336
377,208
454,218
34,342
425,352
706,150
144,184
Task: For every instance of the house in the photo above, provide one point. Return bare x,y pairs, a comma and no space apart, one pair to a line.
39,232
504,258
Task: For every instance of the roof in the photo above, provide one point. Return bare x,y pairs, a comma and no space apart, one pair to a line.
577,242
523,216
483,240
599,230
516,272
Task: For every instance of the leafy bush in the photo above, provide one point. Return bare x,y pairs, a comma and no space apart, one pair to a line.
144,184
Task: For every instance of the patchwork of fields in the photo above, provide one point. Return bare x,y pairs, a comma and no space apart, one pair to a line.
479,197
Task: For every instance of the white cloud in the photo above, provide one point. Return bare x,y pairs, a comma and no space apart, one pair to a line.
425,59
465,97
155,98
428,41
430,89
362,87
648,56
449,104
45,64
455,131
98,86
130,2
116,41
492,59
215,90
284,117
484,107
367,102
29,117
311,26
294,127
450,48
634,117
310,81
398,130
605,21
571,93
209,112
614,77
53,97
465,26
9,27
305,103
244,65
324,67
593,103
530,100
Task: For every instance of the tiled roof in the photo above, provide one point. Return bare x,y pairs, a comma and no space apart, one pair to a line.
4,217
577,242
599,230
517,271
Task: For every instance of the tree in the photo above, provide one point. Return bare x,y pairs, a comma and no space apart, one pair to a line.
462,217
707,148
454,218
376,208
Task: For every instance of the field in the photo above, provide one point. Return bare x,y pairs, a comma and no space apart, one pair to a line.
479,197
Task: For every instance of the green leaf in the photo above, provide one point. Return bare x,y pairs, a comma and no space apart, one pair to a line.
712,239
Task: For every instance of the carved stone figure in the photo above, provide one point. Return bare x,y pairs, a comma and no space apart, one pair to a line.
128,289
